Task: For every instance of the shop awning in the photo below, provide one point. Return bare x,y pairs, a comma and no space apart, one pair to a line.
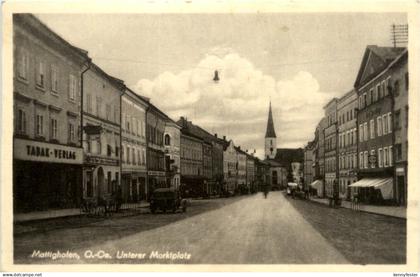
316,184
383,184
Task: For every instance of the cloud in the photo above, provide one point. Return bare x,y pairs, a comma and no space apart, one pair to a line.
237,105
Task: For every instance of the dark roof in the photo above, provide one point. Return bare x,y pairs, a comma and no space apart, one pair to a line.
385,54
198,131
41,30
270,132
286,156
272,162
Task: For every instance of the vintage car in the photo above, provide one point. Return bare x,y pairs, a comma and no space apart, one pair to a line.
167,199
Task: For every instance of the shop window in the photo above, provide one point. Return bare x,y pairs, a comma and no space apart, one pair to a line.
89,184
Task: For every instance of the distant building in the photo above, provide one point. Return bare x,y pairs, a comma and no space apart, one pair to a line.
191,164
172,141
330,142
155,129
241,166
347,142
308,164
230,167
133,145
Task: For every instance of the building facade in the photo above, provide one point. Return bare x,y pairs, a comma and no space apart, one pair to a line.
230,167
308,165
250,172
173,153
241,177
399,83
191,164
330,143
155,129
376,139
347,142
133,145
101,133
47,151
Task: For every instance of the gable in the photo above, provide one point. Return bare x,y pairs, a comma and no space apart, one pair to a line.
373,65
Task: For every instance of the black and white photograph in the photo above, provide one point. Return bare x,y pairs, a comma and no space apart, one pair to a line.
211,138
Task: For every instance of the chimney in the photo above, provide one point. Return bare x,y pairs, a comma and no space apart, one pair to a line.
215,135
224,138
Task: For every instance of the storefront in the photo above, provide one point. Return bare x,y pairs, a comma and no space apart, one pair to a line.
373,190
134,188
46,176
400,190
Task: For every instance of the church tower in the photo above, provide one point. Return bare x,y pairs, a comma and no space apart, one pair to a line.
270,137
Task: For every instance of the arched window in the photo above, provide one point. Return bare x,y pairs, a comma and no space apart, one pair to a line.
167,140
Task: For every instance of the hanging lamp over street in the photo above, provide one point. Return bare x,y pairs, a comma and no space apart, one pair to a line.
216,76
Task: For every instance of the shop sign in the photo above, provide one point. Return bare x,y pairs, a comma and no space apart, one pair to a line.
36,151
156,173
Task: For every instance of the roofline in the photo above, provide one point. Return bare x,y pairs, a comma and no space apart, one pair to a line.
118,83
25,17
330,102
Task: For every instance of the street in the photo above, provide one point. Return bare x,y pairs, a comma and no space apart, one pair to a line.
246,229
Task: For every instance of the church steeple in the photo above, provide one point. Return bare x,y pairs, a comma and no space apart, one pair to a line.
270,137
270,132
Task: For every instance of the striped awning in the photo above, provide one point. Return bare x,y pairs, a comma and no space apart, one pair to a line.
384,184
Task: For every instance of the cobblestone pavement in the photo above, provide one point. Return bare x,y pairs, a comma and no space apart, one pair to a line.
248,229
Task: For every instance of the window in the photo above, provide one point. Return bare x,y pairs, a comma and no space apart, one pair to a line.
385,124
139,160
40,76
361,160
134,156
361,132
398,151
72,87
39,125
380,158
390,155
89,102
389,123
369,98
364,99
348,138
365,131
123,159
385,156
54,78
72,136
379,125
128,155
108,150
385,91
21,122
372,153
98,106
372,128
378,89
108,111
375,95
396,88
54,129
360,102
168,140
109,179
366,160
23,64
127,123
397,120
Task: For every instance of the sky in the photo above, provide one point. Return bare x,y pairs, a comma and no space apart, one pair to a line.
297,61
